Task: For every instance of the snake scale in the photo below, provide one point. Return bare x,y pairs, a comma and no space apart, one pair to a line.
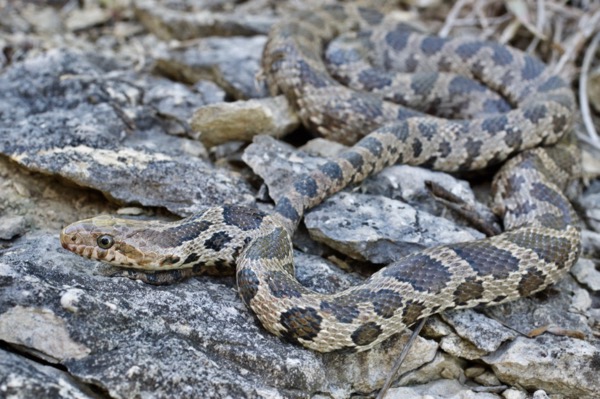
522,112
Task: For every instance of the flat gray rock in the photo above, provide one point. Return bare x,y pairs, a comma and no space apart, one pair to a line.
88,126
378,229
24,378
199,21
483,332
559,365
194,339
231,62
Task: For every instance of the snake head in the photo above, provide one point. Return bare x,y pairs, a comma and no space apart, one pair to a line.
118,242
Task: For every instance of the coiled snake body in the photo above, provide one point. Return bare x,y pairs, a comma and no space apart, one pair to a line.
532,108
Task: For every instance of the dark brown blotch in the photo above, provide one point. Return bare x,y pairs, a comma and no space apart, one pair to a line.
281,286
532,281
244,218
366,334
300,323
470,289
412,312
532,68
386,302
422,272
218,241
275,245
432,44
247,283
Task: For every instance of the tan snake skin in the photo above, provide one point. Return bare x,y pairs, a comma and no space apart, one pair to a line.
507,102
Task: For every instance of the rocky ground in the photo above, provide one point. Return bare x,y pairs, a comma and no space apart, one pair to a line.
145,108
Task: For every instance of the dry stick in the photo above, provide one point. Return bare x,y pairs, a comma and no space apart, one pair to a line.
450,19
579,39
559,27
583,98
539,26
394,371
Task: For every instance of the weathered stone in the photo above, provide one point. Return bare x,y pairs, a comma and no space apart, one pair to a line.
278,164
232,63
169,23
590,201
378,229
133,339
485,333
12,226
550,307
558,365
243,120
24,378
461,348
407,183
590,243
175,103
442,366
585,272
92,131
514,394
440,389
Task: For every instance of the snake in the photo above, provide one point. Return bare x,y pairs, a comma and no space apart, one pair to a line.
388,106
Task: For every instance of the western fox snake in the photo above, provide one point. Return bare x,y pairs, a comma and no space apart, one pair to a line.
532,108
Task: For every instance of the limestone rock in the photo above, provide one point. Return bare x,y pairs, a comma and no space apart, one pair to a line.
378,229
242,120
218,59
172,23
558,365
193,339
91,130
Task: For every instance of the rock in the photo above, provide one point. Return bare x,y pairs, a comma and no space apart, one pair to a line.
232,63
585,272
176,102
487,379
558,365
540,394
485,333
320,147
36,324
590,201
378,229
442,366
461,348
12,226
278,163
590,243
407,183
133,339
440,389
473,372
242,120
92,131
24,378
171,23
552,306
514,394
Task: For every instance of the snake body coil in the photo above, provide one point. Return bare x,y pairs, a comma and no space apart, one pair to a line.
532,107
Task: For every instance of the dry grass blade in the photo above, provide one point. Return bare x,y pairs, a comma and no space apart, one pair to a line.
594,139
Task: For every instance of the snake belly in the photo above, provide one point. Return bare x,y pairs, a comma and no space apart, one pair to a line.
528,122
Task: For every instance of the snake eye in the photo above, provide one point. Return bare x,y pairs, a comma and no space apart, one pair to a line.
105,241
